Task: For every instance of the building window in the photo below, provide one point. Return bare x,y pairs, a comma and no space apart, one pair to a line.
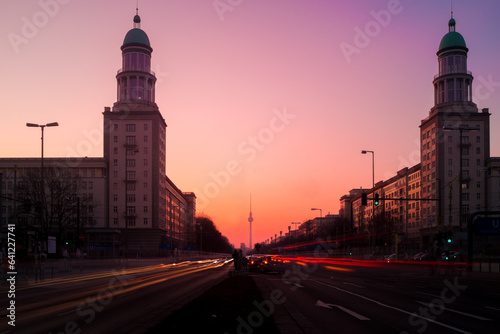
130,175
115,197
145,184
146,127
450,162
131,186
465,162
115,185
145,150
478,184
131,221
115,150
115,209
115,221
478,196
478,139
131,198
145,198
115,162
145,209
145,162
465,196
130,140
130,162
145,221
115,174
478,150
115,127
145,139
130,127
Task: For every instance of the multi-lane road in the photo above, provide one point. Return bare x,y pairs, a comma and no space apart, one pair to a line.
119,300
322,296
312,295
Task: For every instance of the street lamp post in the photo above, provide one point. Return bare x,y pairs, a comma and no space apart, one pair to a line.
373,192
320,212
296,228
42,171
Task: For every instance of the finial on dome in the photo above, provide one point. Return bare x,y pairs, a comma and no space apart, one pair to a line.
452,23
137,18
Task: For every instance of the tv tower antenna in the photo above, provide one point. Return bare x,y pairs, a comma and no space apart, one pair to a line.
250,220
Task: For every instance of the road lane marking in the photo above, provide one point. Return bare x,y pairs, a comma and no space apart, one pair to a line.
493,308
359,286
454,311
354,314
392,307
428,294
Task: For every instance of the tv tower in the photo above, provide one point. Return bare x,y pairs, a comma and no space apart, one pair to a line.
250,220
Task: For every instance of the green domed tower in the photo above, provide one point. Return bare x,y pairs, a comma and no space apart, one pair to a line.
135,80
454,145
453,83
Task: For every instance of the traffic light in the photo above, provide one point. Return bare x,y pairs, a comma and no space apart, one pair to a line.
448,237
364,199
376,200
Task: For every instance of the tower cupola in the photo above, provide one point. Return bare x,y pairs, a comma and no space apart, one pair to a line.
453,83
135,80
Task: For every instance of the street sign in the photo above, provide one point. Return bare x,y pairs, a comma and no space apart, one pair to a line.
487,226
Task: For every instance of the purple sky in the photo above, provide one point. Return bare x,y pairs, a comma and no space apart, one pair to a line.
260,97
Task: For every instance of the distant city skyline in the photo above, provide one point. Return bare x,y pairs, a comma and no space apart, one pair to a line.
273,98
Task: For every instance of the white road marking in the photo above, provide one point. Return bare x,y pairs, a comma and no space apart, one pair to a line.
493,308
359,286
428,294
354,314
455,311
393,307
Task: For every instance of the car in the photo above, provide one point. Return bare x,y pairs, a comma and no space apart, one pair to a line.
426,256
416,256
450,256
392,257
254,262
272,263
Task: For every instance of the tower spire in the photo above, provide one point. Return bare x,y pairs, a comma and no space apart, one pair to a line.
137,18
250,220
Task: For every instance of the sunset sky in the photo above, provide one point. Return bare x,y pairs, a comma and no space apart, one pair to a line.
269,98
